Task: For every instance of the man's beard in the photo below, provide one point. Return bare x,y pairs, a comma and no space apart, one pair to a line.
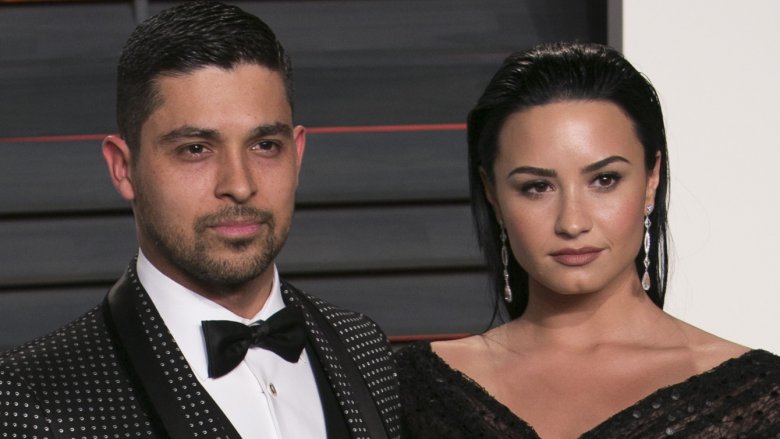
197,257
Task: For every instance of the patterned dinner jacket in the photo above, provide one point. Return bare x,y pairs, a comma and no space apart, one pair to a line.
104,377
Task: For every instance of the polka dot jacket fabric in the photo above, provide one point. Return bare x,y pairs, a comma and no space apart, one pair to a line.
76,383
371,353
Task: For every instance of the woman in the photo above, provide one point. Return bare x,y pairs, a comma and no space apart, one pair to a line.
568,171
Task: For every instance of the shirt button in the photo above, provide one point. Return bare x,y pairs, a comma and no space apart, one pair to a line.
273,389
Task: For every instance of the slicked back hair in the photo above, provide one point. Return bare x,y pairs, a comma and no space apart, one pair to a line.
559,72
182,39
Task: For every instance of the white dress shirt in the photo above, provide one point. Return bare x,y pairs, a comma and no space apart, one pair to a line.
265,396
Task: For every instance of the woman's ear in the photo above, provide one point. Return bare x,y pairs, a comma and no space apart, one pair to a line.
653,178
490,192
118,158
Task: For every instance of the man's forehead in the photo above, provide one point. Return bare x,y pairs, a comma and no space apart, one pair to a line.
206,86
174,76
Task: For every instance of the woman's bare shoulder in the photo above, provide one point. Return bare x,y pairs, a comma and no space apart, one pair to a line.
462,354
708,349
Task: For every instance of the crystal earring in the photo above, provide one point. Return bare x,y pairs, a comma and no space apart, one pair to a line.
505,262
646,276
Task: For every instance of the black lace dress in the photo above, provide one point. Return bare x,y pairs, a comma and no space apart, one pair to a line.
738,399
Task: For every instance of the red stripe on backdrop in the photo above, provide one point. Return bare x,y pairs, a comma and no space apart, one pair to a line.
312,130
388,128
45,139
425,337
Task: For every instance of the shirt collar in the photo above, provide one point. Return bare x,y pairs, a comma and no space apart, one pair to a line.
182,311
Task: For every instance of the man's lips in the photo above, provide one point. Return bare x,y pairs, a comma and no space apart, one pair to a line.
575,257
237,229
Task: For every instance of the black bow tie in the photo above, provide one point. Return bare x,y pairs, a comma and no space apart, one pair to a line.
228,342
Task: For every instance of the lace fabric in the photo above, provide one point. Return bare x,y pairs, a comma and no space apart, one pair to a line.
740,398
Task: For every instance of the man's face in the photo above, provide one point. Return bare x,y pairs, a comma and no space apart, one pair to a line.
213,184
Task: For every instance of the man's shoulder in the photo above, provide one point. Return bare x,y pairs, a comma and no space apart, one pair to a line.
75,367
361,336
342,319
47,364
86,333
48,360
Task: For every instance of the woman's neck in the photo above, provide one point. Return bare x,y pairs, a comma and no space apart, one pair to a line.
622,314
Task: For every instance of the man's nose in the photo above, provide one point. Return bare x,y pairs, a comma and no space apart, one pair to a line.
235,178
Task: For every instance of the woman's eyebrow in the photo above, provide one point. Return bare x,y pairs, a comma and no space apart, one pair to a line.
539,172
544,172
601,163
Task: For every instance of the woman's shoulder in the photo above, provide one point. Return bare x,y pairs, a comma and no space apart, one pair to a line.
437,352
459,349
440,401
709,350
416,361
453,360
423,373
467,355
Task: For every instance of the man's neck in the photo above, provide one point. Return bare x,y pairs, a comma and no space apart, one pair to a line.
248,299
244,300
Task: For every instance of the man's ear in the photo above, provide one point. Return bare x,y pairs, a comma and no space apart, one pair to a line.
490,193
117,155
299,138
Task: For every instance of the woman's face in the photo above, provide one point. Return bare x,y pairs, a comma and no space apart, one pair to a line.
571,186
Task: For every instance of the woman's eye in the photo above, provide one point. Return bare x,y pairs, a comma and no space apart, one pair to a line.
606,181
535,187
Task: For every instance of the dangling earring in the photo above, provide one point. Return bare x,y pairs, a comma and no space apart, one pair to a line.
646,276
505,261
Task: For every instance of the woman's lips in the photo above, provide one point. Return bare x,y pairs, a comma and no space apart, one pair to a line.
576,257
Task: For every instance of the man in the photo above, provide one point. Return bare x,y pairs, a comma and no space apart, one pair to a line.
200,338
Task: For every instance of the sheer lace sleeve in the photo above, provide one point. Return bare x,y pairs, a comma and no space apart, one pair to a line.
439,402
738,399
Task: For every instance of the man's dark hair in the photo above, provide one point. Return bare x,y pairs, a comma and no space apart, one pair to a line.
185,38
562,72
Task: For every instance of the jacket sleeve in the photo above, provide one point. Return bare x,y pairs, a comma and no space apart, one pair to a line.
21,415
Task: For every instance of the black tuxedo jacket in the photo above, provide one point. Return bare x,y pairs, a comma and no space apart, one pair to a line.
117,372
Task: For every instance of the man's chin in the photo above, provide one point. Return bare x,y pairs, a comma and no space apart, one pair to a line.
238,264
238,245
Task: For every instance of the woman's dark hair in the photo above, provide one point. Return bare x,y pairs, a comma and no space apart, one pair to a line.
553,73
185,38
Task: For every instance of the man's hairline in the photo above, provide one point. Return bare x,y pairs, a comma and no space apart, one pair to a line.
157,100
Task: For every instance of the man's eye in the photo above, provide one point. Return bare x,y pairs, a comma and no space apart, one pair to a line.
267,146
195,149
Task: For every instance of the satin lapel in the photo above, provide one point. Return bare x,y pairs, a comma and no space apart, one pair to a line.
181,403
335,424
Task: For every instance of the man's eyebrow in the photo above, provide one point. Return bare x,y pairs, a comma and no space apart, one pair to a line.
188,132
601,163
278,128
539,172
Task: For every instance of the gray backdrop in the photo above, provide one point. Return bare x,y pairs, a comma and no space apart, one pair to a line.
382,223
